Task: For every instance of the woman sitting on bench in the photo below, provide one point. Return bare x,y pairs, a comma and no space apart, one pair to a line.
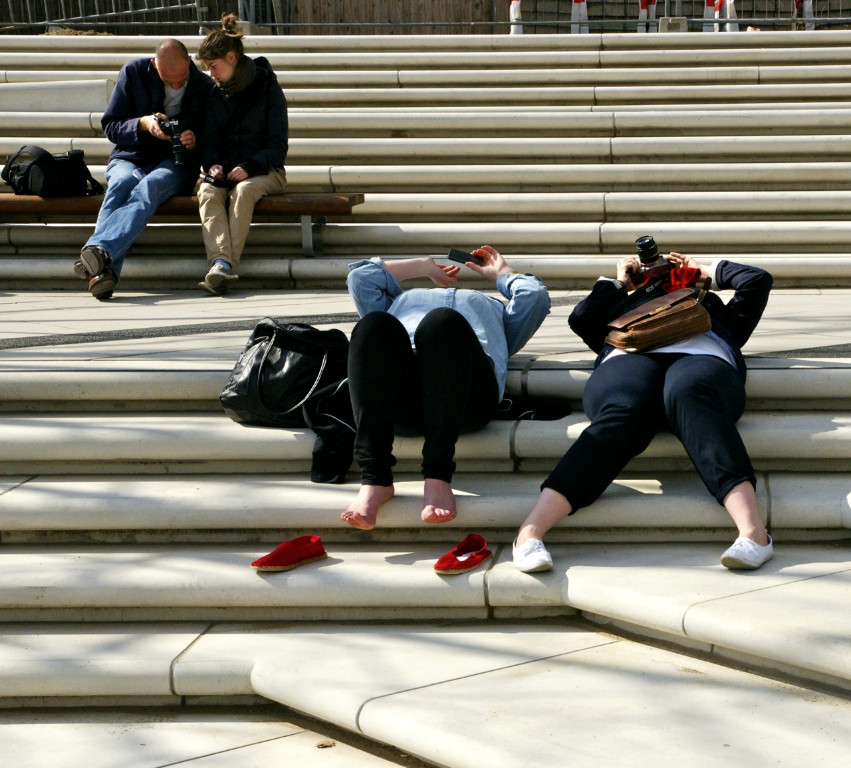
244,151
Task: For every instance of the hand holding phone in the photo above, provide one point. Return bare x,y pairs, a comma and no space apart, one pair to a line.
462,257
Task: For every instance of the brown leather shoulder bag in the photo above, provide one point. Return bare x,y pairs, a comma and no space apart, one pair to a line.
667,319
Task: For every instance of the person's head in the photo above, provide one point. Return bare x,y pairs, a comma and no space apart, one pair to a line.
221,51
172,63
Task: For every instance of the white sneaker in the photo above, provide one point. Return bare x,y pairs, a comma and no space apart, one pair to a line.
746,554
532,556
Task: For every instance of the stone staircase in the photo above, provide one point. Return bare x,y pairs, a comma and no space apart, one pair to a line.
131,507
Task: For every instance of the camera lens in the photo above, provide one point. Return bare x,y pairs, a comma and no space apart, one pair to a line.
647,250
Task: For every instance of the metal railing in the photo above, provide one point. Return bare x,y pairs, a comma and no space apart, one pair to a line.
280,17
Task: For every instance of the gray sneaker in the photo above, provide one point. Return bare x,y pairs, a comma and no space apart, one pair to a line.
93,259
219,280
531,556
747,555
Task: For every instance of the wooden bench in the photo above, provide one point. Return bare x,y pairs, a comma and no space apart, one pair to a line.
311,208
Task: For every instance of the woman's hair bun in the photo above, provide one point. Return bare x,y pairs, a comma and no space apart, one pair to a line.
230,25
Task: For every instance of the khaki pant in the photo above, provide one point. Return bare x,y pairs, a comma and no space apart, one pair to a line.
226,213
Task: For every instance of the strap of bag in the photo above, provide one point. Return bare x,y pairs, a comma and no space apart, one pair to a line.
96,188
312,387
30,149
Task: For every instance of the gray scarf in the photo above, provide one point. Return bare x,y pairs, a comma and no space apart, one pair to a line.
243,76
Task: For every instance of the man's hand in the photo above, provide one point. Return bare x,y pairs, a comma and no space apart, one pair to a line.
187,138
150,124
216,171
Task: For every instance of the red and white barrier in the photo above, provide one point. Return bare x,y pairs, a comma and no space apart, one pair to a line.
515,18
578,15
709,13
646,13
727,9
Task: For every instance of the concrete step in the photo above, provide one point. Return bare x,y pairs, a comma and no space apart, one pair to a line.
393,684
784,617
267,269
556,177
412,59
171,442
557,207
485,121
261,510
166,732
779,384
41,91
508,150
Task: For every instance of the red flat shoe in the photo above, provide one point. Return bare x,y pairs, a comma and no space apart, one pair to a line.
469,554
289,554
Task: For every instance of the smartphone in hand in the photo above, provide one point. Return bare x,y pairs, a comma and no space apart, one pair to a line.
462,257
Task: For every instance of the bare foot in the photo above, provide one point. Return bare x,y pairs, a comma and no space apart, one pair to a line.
438,501
363,512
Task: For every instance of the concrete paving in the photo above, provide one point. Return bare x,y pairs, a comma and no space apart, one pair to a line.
221,737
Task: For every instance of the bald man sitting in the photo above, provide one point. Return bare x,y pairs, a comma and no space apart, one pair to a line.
144,168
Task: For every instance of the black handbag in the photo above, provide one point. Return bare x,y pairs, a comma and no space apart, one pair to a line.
46,175
280,369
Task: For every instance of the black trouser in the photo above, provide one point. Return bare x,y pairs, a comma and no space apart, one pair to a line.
632,397
446,387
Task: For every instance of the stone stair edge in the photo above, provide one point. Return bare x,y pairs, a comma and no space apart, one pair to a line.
256,507
144,438
678,592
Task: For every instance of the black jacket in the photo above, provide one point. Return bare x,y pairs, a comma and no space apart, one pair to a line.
250,128
734,321
139,91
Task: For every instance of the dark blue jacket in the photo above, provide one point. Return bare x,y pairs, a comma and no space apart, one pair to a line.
250,128
734,321
139,91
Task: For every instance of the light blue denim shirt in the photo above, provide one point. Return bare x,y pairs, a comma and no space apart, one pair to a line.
501,329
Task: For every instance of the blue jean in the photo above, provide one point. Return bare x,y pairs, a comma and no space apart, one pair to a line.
130,203
632,397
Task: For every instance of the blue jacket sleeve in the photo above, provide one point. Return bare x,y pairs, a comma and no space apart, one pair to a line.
120,120
528,305
372,288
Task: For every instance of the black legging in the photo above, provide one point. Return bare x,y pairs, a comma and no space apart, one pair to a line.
632,397
443,389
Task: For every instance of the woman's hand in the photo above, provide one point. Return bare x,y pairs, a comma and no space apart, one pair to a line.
238,174
494,265
442,275
678,260
627,268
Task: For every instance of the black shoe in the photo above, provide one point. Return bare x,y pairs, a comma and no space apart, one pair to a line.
101,286
93,260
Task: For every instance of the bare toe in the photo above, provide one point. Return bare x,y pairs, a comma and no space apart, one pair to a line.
363,512
438,502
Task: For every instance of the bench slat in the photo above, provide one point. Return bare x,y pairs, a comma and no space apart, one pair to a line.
303,204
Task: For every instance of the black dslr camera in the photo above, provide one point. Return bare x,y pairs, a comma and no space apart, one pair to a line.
174,127
652,263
